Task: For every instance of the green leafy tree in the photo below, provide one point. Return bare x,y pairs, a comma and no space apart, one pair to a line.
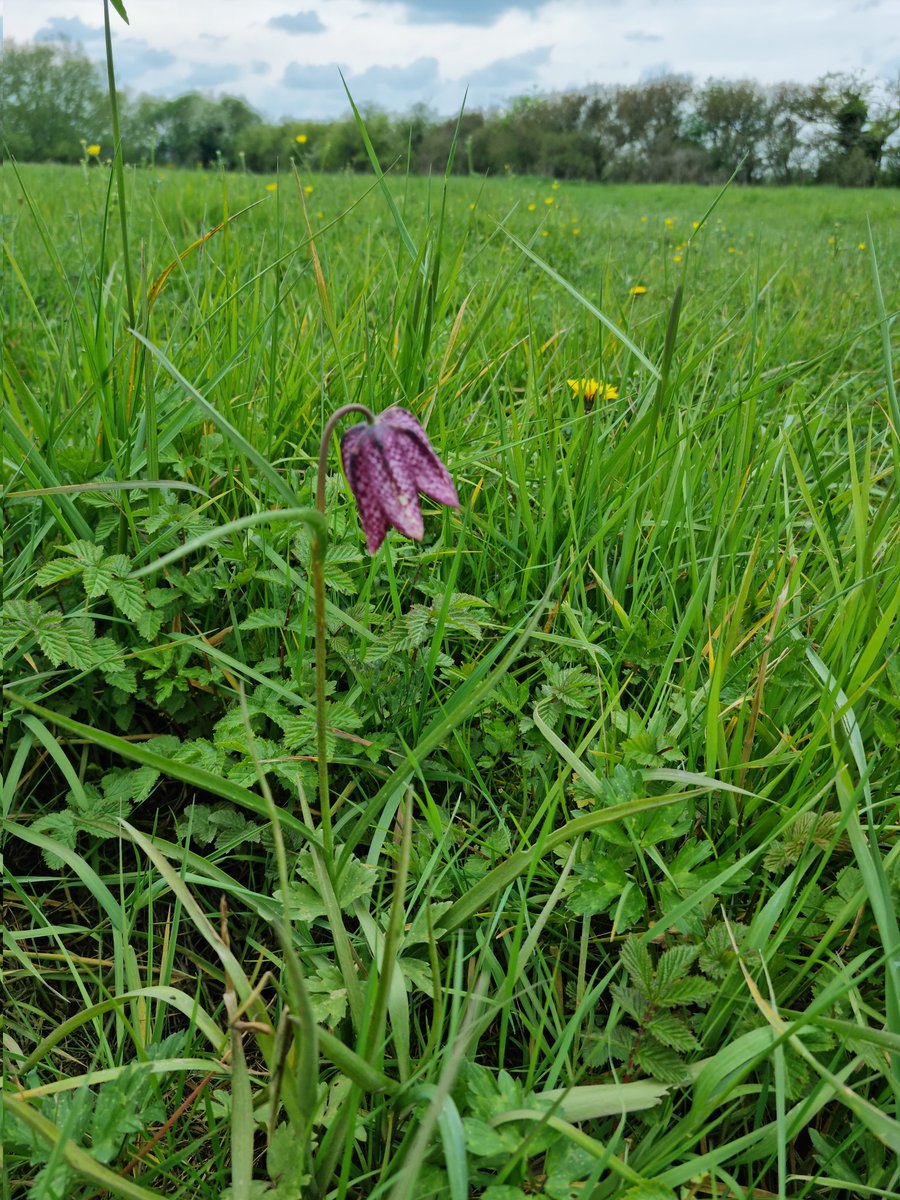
859,123
651,132
53,102
194,129
784,147
732,117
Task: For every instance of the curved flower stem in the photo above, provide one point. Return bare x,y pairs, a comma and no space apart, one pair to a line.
319,544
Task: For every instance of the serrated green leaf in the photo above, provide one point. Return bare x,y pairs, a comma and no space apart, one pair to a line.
202,753
96,577
128,597
81,650
672,1031
124,786
674,964
632,1000
635,958
121,564
641,748
693,990
327,994
121,1107
659,1061
54,572
123,678
265,618
149,624
86,552
52,639
285,1162
62,827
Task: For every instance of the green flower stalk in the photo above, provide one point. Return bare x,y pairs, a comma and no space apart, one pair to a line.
388,461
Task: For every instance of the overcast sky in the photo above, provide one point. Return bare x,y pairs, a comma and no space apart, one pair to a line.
283,56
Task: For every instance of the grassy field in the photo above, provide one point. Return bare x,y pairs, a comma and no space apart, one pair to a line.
601,897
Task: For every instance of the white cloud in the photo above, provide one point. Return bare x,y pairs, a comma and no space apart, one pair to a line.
298,22
399,52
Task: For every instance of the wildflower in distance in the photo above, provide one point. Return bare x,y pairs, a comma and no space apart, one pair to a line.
592,389
388,462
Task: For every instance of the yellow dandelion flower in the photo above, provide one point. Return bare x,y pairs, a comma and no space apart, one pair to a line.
576,232
677,258
832,241
532,207
308,189
731,250
637,290
271,187
668,222
554,186
301,139
320,216
643,220
861,246
93,150
591,388
549,199
544,233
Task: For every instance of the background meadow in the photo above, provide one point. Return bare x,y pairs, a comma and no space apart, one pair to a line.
613,904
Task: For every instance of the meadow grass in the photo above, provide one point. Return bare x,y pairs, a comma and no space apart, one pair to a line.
612,904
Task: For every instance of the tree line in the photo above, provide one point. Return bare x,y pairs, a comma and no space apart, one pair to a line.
840,129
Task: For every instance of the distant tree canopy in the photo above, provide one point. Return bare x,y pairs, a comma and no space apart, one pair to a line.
841,129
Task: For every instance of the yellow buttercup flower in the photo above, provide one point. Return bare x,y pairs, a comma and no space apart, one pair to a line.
93,150
695,224
861,246
591,388
554,186
576,232
301,139
637,290
532,207
549,199
308,189
668,222
643,220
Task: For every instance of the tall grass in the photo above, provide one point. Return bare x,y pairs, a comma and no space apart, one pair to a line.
612,908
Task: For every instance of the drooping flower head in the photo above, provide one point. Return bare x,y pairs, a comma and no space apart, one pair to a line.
388,463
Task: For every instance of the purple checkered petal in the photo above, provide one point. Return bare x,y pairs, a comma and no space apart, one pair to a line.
431,476
387,464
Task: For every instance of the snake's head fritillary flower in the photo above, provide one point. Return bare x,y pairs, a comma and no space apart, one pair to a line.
387,464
